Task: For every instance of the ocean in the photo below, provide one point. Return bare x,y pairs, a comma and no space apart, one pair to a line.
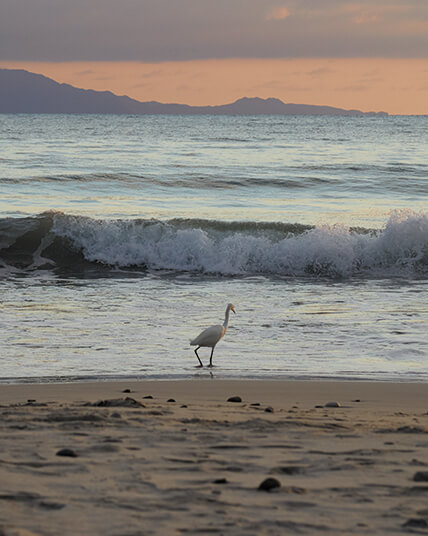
122,237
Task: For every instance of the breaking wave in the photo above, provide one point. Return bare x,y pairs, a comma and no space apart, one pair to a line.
63,242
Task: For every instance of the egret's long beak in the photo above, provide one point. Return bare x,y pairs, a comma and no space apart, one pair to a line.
233,309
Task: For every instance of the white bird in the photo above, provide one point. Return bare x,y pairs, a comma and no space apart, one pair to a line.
210,336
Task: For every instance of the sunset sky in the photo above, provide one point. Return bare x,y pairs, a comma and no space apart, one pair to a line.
366,54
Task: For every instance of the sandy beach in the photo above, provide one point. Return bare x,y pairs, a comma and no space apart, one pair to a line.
176,457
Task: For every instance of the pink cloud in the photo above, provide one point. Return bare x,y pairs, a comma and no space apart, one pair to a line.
278,13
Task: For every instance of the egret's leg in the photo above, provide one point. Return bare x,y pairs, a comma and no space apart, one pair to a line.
196,352
211,357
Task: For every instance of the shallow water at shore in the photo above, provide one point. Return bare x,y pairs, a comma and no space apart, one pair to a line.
122,237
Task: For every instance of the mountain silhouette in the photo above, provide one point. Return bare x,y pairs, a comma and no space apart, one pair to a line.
25,92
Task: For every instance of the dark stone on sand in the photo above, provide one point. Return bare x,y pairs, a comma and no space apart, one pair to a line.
269,483
127,402
116,415
318,406
67,452
220,481
148,396
126,391
234,399
171,400
255,404
269,409
183,406
333,405
421,476
356,400
416,522
50,505
31,400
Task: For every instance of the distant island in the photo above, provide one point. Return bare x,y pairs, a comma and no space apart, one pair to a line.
25,92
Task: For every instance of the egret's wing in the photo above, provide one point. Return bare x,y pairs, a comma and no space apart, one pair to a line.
209,337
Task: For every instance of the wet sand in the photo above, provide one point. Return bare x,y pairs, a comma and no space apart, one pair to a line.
88,458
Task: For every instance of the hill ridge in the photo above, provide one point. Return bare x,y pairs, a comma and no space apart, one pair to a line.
22,91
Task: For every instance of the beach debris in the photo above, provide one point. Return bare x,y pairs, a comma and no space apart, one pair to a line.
416,522
269,409
127,402
221,481
333,405
269,483
421,476
67,452
234,399
171,400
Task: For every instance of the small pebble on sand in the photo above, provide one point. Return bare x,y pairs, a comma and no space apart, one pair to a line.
67,452
421,476
269,484
333,405
234,399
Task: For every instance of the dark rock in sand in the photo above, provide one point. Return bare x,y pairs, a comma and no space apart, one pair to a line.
356,400
421,476
255,404
116,415
127,402
269,409
171,400
67,452
183,406
220,481
47,505
269,483
333,405
318,406
234,399
148,396
416,522
30,400
126,391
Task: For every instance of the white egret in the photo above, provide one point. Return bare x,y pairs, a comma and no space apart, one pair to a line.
210,336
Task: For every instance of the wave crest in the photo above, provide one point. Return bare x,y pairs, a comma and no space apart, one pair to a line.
56,240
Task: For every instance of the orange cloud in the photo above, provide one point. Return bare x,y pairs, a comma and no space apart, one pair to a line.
278,13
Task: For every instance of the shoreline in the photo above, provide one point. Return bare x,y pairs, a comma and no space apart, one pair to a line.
283,392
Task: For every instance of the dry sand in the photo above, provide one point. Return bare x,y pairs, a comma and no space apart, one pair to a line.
193,465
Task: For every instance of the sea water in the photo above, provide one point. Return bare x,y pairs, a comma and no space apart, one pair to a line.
122,237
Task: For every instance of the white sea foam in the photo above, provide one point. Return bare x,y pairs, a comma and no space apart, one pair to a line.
331,250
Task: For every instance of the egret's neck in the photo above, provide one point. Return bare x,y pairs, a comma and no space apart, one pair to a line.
226,318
